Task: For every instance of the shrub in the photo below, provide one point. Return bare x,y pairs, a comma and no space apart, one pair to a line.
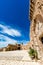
33,53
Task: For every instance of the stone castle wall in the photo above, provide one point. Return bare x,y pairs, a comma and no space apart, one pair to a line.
36,30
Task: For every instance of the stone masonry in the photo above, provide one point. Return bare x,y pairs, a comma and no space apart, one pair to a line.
36,28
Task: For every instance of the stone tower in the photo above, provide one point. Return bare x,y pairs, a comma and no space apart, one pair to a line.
36,28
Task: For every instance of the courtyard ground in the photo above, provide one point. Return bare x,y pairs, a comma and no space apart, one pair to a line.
19,57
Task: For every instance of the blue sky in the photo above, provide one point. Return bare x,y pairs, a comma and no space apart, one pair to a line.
14,22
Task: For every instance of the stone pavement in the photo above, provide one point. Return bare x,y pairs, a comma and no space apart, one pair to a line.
12,62
16,58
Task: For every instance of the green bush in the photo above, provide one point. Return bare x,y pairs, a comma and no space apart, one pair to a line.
33,53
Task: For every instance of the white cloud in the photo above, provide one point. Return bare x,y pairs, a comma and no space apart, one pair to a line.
4,40
10,31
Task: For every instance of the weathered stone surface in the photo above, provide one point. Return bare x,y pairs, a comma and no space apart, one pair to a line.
36,29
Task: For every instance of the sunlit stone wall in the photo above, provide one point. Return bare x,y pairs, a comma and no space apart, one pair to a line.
36,29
